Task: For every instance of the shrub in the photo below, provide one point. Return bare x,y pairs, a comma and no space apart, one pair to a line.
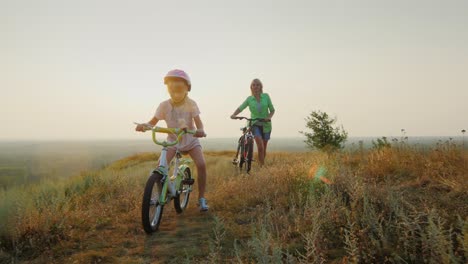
324,136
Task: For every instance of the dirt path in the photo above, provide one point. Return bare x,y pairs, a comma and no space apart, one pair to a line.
185,238
180,237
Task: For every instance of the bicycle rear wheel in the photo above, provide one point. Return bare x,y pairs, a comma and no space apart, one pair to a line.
151,209
182,198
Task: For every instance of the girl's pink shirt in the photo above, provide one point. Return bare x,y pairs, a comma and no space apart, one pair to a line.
179,117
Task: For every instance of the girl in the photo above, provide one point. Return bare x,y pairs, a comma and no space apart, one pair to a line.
182,112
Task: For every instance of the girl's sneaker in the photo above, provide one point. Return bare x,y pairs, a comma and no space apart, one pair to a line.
203,206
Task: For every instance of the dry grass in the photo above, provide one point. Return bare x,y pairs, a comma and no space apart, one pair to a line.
393,205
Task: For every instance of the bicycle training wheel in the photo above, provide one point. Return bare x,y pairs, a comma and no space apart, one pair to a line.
151,209
182,198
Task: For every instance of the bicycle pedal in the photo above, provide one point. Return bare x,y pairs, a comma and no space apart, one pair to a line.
188,181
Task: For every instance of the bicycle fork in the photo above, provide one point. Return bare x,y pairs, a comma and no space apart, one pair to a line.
248,137
163,168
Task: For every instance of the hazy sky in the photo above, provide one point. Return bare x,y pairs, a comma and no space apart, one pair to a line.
88,69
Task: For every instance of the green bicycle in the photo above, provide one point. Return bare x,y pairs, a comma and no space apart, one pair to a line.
160,189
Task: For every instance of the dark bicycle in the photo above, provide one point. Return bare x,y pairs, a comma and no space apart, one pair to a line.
245,145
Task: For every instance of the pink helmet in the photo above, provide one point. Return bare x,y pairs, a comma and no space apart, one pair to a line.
178,74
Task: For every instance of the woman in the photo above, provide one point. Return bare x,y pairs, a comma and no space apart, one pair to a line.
260,106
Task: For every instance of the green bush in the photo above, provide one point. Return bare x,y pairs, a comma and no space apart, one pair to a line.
324,136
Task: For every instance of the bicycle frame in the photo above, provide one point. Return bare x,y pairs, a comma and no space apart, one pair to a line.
247,130
172,185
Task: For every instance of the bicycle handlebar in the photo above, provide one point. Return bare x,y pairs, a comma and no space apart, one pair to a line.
252,119
179,132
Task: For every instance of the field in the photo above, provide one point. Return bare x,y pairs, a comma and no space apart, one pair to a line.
26,162
404,204
32,162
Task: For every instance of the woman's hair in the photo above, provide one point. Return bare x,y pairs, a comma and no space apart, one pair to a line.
257,81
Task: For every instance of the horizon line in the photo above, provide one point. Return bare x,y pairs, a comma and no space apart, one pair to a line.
204,139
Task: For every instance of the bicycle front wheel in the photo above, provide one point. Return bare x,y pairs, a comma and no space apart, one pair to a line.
249,154
242,155
151,209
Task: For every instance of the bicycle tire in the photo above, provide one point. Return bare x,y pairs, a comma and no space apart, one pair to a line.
249,147
181,204
150,220
241,153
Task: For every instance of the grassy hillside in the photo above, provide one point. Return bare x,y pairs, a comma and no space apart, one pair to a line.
393,205
31,162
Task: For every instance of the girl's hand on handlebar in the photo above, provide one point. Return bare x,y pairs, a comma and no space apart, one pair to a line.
142,127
